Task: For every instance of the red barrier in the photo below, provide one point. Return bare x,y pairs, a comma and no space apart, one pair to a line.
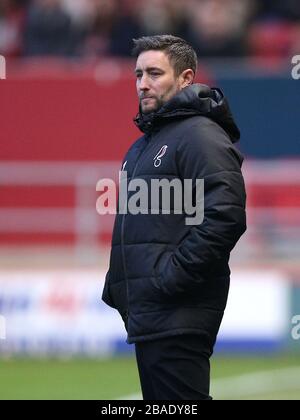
66,119
53,110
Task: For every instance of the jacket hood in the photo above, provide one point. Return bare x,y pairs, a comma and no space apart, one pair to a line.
196,99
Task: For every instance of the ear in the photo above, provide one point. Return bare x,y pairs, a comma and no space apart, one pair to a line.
186,78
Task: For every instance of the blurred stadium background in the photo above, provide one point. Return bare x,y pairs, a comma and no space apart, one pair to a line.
66,120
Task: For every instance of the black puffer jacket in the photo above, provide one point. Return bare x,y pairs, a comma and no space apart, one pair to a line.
166,277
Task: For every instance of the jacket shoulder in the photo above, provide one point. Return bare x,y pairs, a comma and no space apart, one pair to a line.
206,128
204,140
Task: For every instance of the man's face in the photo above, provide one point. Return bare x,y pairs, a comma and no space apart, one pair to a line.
155,80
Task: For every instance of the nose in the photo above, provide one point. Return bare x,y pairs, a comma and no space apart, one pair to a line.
143,83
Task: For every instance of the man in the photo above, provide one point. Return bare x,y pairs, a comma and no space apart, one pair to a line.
170,280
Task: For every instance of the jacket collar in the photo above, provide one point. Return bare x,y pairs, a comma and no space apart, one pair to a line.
196,99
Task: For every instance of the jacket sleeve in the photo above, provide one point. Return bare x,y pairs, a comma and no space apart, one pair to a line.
206,152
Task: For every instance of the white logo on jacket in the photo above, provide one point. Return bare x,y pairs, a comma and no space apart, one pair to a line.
159,155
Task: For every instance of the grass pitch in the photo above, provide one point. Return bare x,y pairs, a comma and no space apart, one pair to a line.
269,377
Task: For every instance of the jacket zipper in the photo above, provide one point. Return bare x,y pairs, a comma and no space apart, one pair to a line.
122,233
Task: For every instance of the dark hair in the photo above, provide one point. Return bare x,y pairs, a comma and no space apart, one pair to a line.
181,55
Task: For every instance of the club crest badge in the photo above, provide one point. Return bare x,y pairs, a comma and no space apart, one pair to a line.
159,155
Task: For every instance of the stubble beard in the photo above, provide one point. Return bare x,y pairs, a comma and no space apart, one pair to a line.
159,102
156,107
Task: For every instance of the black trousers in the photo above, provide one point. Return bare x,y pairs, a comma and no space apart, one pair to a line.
174,368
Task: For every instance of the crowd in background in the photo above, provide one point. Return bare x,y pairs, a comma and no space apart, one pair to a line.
89,28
